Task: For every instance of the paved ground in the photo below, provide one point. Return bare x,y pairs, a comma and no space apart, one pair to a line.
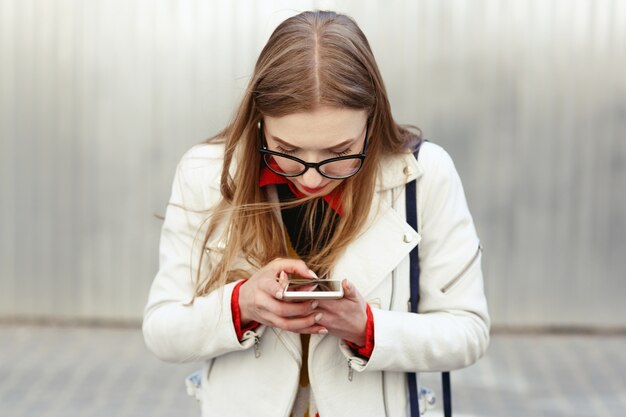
74,371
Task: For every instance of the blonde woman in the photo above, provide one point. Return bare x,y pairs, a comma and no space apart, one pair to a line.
308,182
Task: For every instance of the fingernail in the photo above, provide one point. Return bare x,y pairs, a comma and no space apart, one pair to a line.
318,317
348,285
323,331
313,274
279,295
314,305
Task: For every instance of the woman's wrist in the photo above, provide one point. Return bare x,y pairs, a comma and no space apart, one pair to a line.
364,346
241,325
244,315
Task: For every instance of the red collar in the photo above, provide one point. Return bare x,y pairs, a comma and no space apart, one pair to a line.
269,177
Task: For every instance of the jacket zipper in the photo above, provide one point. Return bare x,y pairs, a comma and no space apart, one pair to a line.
350,370
257,346
359,361
458,277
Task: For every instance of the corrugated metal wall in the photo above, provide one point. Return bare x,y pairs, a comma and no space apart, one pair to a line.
99,99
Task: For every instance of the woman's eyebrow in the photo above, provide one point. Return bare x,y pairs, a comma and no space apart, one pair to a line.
287,144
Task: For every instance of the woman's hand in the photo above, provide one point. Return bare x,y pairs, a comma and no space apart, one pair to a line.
346,317
260,299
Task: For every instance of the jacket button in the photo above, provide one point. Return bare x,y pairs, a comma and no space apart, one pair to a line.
408,238
407,171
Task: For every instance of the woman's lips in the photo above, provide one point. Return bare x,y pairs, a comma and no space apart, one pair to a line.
312,190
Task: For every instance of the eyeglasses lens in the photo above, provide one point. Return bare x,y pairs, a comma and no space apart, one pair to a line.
342,168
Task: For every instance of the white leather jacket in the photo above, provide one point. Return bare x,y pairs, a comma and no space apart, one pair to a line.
259,375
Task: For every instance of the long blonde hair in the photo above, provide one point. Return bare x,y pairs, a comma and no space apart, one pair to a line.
316,58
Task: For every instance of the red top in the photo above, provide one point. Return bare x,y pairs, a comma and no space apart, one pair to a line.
270,177
334,201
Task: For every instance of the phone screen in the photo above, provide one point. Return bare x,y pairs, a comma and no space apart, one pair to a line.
317,285
301,289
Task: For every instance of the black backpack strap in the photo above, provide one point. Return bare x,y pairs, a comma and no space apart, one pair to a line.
414,268
411,218
447,394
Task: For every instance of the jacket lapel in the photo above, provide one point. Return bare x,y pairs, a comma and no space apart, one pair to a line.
369,259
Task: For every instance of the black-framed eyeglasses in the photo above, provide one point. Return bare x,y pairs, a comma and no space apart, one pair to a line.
340,167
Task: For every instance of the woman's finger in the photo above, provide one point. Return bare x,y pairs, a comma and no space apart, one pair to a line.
289,309
296,325
349,291
317,329
351,298
292,266
274,285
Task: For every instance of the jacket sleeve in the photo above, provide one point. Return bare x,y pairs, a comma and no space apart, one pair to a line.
451,329
175,330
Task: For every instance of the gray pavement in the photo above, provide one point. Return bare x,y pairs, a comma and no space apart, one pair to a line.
49,371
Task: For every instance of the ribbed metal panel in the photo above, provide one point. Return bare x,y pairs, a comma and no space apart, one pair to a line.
99,99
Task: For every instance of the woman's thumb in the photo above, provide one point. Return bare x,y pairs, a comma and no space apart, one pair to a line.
348,289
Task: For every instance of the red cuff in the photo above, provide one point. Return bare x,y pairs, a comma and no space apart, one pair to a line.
236,312
365,351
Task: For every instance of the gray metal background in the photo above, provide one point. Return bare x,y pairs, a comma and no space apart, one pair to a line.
99,99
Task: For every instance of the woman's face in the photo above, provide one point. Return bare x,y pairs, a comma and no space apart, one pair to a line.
324,133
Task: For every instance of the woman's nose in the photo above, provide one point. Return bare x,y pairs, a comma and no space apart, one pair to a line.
311,178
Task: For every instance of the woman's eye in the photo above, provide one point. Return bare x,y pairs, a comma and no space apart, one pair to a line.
286,151
342,153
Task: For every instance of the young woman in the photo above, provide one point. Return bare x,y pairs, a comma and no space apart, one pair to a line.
309,181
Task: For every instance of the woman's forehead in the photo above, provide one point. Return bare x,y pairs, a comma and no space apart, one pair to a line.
320,128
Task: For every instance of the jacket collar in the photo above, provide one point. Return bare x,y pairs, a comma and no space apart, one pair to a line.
397,170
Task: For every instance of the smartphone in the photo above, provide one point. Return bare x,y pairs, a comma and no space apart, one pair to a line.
311,289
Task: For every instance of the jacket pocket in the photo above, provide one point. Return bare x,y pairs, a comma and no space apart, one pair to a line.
450,284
